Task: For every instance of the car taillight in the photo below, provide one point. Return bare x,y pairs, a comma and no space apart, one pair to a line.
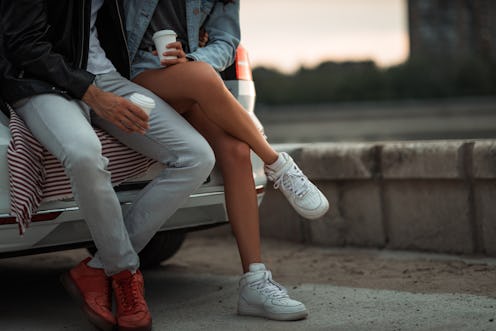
243,69
36,218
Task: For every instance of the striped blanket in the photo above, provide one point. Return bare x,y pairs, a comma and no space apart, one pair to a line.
35,175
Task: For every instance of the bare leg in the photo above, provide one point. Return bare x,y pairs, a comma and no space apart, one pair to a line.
233,158
197,82
256,285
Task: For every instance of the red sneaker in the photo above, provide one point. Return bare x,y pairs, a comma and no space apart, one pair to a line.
91,288
132,310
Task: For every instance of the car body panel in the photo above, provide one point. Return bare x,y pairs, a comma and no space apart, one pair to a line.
205,207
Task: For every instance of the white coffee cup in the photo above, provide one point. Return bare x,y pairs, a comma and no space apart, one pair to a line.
161,39
144,102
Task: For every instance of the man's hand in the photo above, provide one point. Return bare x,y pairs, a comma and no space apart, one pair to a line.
119,111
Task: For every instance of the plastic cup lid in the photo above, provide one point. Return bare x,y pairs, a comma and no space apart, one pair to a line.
161,33
142,100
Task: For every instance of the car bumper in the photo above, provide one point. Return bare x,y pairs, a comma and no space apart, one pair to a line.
206,207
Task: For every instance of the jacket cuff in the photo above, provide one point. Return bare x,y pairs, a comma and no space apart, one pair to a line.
80,86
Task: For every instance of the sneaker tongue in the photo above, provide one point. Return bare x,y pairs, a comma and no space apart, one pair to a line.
254,267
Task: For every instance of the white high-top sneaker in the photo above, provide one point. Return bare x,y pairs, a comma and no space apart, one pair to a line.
304,196
260,296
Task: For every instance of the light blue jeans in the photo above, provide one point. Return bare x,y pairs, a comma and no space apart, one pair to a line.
63,127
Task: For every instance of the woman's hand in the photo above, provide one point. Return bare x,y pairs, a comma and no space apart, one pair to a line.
174,49
202,42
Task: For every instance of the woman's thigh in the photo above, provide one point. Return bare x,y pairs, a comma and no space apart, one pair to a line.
181,85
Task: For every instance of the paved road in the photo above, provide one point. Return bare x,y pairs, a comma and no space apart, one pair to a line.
343,289
372,121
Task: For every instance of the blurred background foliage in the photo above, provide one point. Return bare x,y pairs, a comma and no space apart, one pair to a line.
417,78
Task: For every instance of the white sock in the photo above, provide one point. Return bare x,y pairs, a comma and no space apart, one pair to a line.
254,267
278,164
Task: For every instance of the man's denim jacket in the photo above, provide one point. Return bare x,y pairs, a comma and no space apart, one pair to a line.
220,21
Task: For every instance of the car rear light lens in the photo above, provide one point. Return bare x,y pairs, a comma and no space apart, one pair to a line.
243,68
35,218
7,220
46,217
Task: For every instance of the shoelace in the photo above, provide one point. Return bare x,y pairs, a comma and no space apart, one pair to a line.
128,292
294,181
270,287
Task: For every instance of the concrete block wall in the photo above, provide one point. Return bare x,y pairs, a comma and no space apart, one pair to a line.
437,196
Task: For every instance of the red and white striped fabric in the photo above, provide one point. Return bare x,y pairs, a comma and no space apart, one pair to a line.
36,175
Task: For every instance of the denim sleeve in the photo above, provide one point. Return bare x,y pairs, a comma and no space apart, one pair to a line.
137,15
224,35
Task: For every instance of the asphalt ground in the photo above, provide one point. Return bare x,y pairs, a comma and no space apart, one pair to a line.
343,289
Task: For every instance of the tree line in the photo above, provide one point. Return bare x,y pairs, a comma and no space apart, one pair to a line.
416,78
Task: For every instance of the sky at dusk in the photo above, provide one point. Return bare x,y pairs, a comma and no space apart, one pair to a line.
286,34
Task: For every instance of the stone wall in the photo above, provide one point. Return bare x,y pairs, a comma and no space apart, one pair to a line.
437,196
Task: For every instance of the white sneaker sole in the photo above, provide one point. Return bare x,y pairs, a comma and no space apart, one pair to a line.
247,310
314,213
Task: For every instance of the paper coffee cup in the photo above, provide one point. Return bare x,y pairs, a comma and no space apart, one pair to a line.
161,39
144,102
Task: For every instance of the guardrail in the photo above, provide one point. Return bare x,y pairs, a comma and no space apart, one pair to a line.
437,196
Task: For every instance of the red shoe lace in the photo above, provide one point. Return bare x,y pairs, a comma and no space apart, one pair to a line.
129,294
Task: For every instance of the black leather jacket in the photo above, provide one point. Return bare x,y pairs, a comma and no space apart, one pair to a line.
44,46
